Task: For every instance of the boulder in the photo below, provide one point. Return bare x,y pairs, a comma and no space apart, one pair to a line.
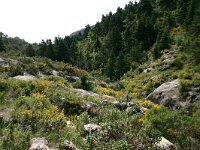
83,93
39,144
70,124
122,105
165,144
1,60
72,78
89,106
91,128
55,73
166,61
147,70
167,94
135,109
25,77
67,145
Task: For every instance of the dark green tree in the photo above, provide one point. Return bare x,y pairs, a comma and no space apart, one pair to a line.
114,43
42,49
110,67
2,46
29,51
49,51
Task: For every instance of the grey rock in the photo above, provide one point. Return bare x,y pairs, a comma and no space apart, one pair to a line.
89,106
68,145
39,144
122,105
83,93
25,77
55,73
166,61
2,60
70,124
165,144
91,128
147,70
72,78
166,94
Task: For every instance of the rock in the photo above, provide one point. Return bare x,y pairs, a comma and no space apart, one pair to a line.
122,105
67,145
39,144
40,75
134,110
165,144
72,78
55,73
70,124
166,61
1,60
104,102
91,128
194,94
25,77
166,94
89,106
147,70
83,93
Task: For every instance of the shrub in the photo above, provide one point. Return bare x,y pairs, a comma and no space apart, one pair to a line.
84,84
15,70
185,86
38,113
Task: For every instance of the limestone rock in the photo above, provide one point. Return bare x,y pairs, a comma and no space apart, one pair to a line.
91,128
55,73
72,78
147,70
67,145
166,94
25,77
39,144
165,144
2,60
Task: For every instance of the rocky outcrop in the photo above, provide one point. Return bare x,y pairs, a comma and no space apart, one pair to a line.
91,128
82,93
25,77
167,94
165,144
68,145
39,144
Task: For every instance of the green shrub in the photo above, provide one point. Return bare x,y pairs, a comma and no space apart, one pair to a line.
15,70
84,84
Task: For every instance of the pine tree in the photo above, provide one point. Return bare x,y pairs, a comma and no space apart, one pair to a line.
29,51
2,46
50,51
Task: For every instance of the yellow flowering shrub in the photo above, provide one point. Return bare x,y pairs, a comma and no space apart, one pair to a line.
147,103
43,85
109,91
38,113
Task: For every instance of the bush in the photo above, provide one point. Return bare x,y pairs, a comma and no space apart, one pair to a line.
16,70
84,84
38,113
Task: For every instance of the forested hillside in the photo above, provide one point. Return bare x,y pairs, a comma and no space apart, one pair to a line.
130,82
139,32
